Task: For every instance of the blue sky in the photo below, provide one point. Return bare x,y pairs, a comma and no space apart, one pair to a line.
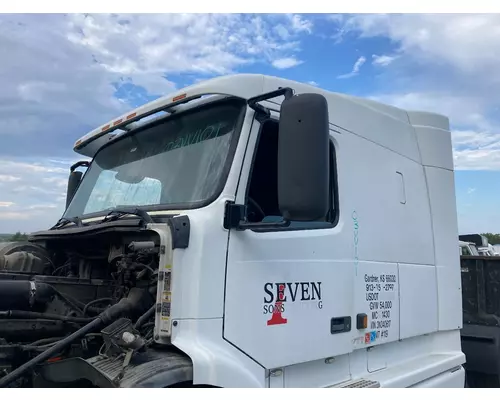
67,74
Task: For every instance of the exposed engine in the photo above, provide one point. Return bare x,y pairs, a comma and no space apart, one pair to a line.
75,297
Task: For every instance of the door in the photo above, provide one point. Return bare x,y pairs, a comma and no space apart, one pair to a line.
289,291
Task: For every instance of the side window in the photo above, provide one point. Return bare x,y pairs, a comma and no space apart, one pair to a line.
262,191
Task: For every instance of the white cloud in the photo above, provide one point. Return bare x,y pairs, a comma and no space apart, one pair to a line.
462,110
8,178
43,206
477,159
313,83
36,199
468,42
282,31
6,216
68,73
285,63
467,139
295,24
471,190
355,69
299,23
383,60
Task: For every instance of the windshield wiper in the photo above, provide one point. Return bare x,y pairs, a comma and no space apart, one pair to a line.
65,221
119,212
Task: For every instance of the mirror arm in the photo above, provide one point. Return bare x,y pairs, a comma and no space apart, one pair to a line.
262,111
79,164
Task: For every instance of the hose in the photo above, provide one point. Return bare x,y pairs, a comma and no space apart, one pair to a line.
82,305
25,295
134,302
88,305
45,341
17,373
144,317
144,266
36,315
42,344
148,325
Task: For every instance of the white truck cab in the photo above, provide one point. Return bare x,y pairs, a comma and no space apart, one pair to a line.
308,238
488,251
467,248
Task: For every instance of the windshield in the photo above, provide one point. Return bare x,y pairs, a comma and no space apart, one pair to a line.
179,162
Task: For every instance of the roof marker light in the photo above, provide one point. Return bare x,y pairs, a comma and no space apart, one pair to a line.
180,97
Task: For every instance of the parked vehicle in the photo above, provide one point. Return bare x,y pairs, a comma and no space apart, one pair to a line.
467,248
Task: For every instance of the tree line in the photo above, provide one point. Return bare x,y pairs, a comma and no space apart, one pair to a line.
493,238
16,237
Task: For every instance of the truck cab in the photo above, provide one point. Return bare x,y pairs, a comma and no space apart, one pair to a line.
480,242
253,232
467,248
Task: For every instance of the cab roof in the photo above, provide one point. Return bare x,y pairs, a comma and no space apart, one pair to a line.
351,113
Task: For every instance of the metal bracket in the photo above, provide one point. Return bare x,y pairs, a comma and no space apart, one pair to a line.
262,112
180,228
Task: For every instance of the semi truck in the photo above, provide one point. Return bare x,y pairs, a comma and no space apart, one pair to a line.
245,231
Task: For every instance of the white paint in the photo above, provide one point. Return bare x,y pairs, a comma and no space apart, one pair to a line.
450,379
324,372
387,227
419,302
215,362
377,358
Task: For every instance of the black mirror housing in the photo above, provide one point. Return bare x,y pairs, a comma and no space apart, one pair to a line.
303,158
73,181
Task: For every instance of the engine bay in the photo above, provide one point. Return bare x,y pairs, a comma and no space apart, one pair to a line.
75,296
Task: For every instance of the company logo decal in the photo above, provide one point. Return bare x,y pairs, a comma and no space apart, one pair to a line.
278,296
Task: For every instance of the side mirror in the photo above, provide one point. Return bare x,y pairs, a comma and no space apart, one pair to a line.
303,158
74,180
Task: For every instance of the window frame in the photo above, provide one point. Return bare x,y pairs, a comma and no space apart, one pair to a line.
334,207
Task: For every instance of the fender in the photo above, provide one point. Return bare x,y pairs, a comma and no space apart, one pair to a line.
151,369
216,362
